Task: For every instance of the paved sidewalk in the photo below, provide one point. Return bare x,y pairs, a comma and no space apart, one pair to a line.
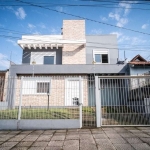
120,138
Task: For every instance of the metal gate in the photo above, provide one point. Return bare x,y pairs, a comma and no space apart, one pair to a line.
124,100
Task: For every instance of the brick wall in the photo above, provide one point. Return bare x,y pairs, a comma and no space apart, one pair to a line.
74,53
57,93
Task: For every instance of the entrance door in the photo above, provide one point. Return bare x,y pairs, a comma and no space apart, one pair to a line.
72,92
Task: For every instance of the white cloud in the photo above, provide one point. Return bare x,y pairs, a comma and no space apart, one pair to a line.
42,25
12,41
144,26
132,40
126,7
103,18
115,16
120,14
117,33
122,22
31,26
96,31
123,38
54,30
4,63
37,33
20,13
136,40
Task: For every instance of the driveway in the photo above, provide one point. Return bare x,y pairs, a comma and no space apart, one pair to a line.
108,138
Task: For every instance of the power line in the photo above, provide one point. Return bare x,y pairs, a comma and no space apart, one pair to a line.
67,5
85,18
116,2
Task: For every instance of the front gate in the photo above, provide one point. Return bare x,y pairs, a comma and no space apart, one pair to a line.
124,100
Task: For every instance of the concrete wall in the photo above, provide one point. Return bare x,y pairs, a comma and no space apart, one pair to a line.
102,42
28,124
68,69
27,54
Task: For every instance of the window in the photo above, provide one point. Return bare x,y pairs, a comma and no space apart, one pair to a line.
48,59
43,87
100,56
36,85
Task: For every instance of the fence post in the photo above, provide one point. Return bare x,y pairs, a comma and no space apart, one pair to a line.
98,102
80,100
20,101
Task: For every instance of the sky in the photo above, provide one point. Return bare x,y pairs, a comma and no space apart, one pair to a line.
26,17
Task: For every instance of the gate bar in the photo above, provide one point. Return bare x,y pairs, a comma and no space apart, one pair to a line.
98,102
80,100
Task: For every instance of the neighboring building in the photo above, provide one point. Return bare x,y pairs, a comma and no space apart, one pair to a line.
139,66
63,58
3,84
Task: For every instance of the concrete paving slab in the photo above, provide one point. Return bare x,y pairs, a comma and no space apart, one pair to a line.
87,141
49,131
9,144
36,148
133,140
141,146
146,140
56,143
88,147
106,146
100,136
98,132
44,138
30,138
6,148
102,141
53,148
24,144
125,135
70,147
71,143
123,147
19,148
113,136
72,137
83,139
58,137
26,132
142,135
118,141
40,144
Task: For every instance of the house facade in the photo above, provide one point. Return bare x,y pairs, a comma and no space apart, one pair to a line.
60,60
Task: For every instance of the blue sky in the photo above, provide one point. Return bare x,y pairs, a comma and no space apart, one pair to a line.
17,19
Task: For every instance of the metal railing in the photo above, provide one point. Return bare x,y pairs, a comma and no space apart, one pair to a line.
49,97
125,100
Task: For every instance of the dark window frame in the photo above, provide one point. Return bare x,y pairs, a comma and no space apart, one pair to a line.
101,58
42,87
48,63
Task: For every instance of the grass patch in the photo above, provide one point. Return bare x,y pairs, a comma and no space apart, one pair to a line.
44,113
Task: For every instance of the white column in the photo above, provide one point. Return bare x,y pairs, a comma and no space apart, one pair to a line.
98,102
20,101
80,100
